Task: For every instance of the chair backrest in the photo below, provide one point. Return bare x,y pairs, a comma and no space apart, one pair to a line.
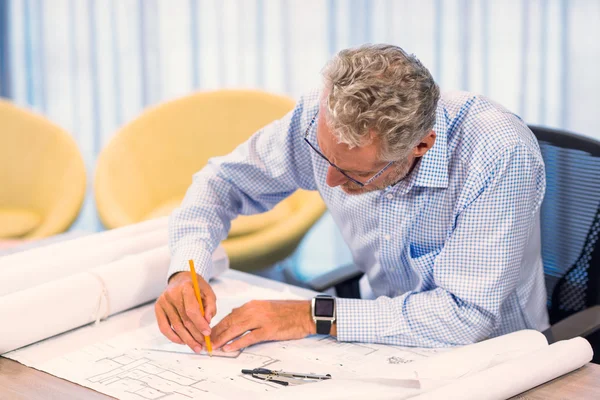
570,221
146,169
42,174
151,160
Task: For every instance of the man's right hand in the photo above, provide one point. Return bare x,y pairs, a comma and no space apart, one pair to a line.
178,312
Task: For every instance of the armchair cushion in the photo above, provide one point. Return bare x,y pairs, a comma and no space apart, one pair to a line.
16,222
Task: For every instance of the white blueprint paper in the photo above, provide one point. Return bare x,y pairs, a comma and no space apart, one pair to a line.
124,356
127,357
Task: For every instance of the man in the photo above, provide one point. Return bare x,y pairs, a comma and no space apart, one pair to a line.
437,198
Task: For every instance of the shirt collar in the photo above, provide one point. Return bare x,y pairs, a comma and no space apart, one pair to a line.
432,169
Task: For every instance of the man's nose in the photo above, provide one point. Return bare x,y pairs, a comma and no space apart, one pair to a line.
335,177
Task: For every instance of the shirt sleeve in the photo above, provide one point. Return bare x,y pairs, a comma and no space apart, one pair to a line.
475,272
257,175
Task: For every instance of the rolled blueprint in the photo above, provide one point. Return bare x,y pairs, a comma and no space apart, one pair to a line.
37,313
468,360
518,375
113,235
37,266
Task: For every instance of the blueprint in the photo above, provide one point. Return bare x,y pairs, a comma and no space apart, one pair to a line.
142,364
127,357
144,374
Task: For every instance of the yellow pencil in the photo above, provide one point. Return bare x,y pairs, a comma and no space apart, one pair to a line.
199,298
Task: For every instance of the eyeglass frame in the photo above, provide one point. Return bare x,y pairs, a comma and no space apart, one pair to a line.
341,171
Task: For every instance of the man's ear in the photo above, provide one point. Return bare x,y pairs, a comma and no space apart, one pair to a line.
426,143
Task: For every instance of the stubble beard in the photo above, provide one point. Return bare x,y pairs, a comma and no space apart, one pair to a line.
400,171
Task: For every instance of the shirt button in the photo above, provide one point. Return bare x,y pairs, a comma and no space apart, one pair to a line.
389,196
387,237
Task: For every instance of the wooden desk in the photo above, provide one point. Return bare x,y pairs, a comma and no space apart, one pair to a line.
20,382
583,383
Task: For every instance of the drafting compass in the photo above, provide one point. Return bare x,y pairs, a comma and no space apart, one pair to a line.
284,378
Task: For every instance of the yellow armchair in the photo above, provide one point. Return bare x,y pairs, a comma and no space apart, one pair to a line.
42,176
146,168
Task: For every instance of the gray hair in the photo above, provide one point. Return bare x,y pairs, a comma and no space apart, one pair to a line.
381,89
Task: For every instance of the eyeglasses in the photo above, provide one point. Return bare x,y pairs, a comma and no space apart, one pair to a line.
341,171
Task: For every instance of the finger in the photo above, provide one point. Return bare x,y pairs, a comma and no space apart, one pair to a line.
192,311
248,339
210,302
164,325
177,324
191,327
230,328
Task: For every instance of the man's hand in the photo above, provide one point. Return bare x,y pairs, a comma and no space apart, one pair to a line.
264,320
178,312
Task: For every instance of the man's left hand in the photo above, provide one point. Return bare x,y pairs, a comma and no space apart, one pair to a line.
264,320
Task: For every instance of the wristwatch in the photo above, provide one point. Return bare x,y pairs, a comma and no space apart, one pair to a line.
323,313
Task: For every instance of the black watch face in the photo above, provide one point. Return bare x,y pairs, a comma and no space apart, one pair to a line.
324,308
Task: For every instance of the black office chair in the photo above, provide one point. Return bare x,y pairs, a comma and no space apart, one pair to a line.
570,219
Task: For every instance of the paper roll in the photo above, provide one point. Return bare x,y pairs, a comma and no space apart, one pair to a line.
37,266
518,375
467,360
89,241
55,307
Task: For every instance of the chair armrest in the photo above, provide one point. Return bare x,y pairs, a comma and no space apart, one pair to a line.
337,276
584,323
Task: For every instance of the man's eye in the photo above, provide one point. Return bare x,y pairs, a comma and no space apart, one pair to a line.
364,174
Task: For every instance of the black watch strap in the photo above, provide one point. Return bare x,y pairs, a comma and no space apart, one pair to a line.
323,327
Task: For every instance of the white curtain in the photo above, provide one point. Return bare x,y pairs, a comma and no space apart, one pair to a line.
91,66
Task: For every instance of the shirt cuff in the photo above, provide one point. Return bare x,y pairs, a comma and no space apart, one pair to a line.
362,320
202,260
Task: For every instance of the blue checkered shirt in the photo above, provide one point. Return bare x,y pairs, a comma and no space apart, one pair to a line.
452,252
